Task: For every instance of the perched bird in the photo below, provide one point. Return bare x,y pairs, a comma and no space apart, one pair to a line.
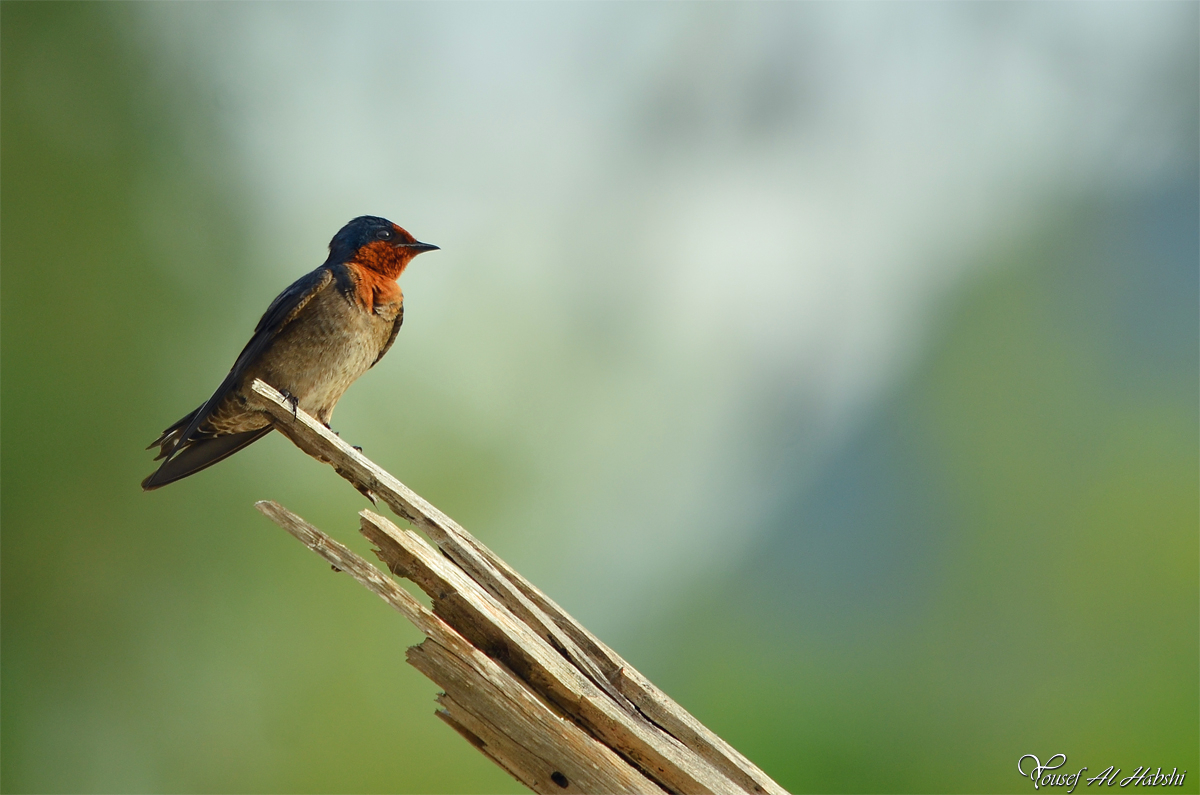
324,331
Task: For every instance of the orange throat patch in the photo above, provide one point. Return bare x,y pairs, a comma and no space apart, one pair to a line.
372,289
375,268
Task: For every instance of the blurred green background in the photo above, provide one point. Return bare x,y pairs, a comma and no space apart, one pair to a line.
837,364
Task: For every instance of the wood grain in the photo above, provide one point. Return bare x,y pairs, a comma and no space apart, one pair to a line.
489,702
520,673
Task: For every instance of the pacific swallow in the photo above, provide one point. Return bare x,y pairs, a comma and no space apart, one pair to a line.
315,339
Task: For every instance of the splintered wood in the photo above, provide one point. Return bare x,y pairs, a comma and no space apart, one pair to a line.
524,682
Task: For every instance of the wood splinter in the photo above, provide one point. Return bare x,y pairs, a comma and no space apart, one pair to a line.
524,683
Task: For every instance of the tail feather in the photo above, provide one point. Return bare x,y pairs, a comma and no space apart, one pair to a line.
196,455
168,440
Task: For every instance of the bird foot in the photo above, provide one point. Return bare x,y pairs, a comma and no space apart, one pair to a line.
295,403
338,435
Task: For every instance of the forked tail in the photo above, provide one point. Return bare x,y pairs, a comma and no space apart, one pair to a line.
191,457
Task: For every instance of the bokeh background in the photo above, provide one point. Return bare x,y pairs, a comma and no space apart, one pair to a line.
837,364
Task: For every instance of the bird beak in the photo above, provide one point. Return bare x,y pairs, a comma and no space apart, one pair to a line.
418,248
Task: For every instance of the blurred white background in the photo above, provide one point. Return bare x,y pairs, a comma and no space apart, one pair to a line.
836,363
662,222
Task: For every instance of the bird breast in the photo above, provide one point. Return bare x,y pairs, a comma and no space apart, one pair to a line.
332,342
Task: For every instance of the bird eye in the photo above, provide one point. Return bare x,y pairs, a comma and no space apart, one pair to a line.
384,234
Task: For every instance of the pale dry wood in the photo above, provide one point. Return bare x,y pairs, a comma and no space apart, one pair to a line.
485,747
518,761
492,627
345,560
318,441
685,755
652,702
491,707
526,742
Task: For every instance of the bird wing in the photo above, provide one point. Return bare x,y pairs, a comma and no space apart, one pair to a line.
199,454
283,310
392,337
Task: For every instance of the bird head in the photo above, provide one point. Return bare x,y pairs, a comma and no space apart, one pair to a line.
376,243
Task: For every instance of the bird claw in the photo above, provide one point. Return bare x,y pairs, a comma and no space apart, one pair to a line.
338,435
295,403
